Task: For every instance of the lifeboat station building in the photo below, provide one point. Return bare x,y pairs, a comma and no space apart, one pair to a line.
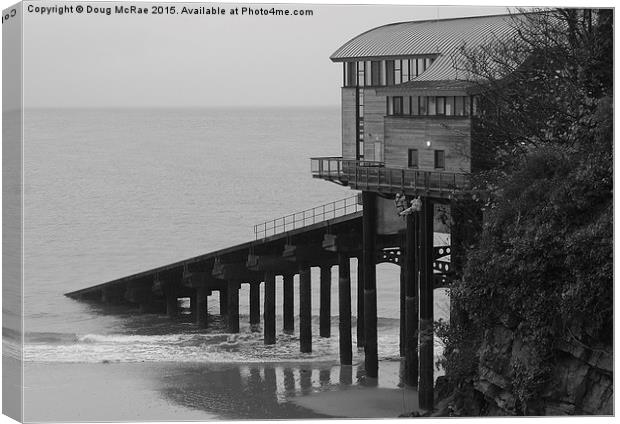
408,111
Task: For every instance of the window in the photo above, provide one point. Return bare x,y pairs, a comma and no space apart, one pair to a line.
466,106
397,72
441,105
412,160
368,73
450,106
389,105
415,105
389,72
407,105
405,71
432,107
360,73
350,73
419,66
423,105
440,159
375,72
458,105
398,105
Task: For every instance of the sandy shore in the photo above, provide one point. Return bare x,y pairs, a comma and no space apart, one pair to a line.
196,391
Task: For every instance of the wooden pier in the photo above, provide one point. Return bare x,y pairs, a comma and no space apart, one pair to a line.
343,230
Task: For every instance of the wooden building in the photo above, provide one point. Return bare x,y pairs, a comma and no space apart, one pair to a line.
408,113
408,106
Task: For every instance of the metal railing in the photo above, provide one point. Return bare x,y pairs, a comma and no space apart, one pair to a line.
375,175
308,217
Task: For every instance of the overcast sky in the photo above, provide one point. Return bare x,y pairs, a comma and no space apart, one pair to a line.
80,60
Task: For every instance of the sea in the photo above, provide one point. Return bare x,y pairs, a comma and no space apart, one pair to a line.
112,192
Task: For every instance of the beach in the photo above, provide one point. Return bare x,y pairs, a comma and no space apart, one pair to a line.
151,391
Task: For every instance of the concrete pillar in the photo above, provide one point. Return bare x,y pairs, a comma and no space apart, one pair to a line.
269,314
360,302
411,299
223,301
193,306
288,304
201,307
305,310
344,309
254,303
172,306
425,388
326,300
233,307
369,223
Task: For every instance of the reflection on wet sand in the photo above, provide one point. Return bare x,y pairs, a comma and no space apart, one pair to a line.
256,391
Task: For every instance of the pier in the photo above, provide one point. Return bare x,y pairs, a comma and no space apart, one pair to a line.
323,237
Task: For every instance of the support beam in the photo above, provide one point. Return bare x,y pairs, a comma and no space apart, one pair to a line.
344,309
360,302
269,314
425,389
305,309
411,264
288,303
233,307
369,223
254,303
201,307
325,310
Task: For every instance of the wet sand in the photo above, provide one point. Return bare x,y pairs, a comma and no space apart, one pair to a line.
150,391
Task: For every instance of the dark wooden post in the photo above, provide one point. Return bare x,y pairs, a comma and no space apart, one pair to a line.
344,309
360,302
269,314
325,312
425,388
371,361
201,307
305,309
288,303
254,303
233,307
411,300
193,305
172,307
223,302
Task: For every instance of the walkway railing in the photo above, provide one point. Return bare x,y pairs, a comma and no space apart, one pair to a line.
309,216
375,175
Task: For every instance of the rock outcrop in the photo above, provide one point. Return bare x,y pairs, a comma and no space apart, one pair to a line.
579,381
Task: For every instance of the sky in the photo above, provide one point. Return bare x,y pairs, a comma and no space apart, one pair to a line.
94,60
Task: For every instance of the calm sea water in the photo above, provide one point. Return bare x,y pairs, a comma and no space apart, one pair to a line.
113,192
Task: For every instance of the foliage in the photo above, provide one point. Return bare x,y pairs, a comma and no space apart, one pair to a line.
544,254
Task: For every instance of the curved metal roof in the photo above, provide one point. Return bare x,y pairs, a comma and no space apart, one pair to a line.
438,38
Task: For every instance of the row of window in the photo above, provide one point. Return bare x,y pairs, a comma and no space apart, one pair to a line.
373,73
440,159
431,105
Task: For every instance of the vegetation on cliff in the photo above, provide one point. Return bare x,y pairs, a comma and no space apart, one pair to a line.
541,261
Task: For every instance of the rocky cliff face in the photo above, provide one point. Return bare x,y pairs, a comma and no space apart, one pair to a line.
580,382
